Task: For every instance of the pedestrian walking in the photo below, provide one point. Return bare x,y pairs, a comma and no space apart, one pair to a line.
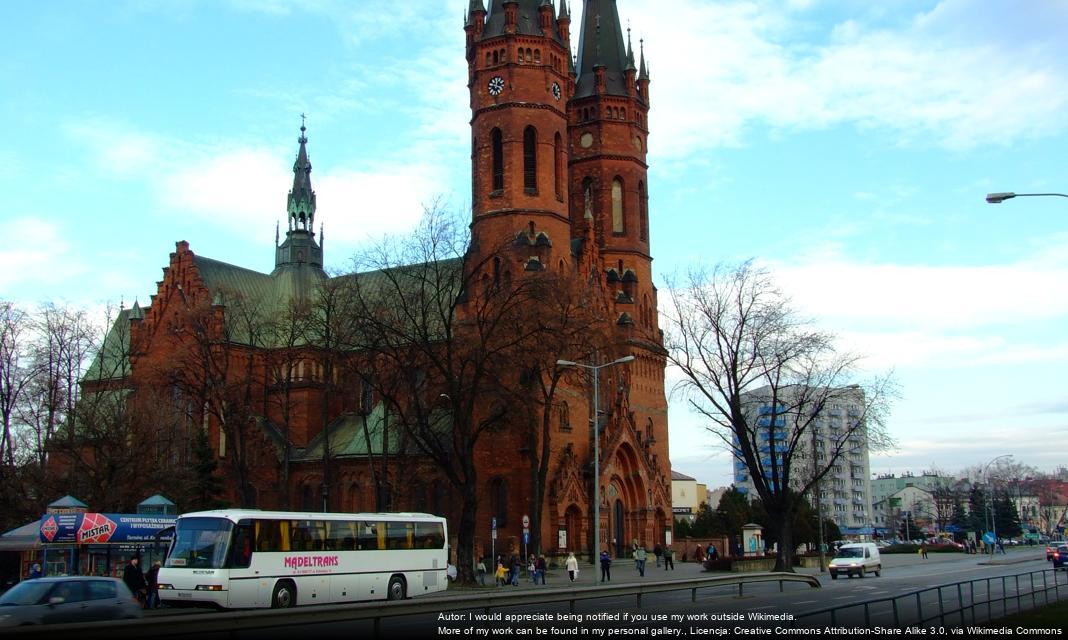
640,556
516,568
532,569
606,566
501,574
152,581
571,564
657,551
713,555
923,549
1000,547
135,580
540,569
669,561
35,572
698,554
481,571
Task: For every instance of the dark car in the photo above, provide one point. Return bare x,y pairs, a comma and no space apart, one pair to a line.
1051,546
1060,556
67,599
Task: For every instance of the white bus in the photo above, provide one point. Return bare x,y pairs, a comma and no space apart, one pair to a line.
245,558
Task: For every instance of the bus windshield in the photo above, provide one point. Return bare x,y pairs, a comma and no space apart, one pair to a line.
200,543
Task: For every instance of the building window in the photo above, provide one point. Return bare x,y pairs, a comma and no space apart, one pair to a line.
564,416
587,197
617,206
530,159
498,492
498,159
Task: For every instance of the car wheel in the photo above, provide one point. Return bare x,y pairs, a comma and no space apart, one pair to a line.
878,570
862,573
285,595
834,576
396,589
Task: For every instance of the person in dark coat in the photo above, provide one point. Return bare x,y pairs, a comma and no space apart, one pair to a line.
152,578
606,566
134,579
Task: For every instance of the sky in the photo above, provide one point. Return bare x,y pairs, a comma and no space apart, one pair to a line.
845,146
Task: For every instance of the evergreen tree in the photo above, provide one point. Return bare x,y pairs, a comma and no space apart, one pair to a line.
206,485
734,511
908,529
1007,518
705,523
978,509
960,516
682,528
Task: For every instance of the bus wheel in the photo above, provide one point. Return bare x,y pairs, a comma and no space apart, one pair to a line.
395,591
285,595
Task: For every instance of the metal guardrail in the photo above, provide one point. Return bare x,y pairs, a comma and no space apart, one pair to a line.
954,610
232,622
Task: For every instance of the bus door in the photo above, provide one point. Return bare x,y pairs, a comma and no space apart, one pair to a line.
245,589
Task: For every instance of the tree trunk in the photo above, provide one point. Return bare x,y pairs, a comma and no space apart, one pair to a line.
465,537
784,558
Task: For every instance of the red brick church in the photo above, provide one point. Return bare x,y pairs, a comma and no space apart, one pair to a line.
559,175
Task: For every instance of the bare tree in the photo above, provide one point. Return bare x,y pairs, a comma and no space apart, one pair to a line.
764,380
435,327
16,374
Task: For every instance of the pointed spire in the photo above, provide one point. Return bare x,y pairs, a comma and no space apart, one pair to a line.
601,44
474,8
643,73
564,11
630,53
301,203
276,228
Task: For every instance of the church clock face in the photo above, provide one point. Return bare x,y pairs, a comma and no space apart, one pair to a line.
496,86
556,90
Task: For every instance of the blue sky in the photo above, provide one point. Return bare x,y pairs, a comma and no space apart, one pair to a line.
847,146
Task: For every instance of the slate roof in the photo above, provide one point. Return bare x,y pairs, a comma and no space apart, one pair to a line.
347,437
601,43
528,21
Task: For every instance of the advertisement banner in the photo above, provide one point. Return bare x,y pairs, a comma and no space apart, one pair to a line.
101,528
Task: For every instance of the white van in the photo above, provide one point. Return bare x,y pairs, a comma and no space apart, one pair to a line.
858,558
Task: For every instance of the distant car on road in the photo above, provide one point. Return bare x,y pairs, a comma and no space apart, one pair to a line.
67,599
1060,556
856,559
1051,546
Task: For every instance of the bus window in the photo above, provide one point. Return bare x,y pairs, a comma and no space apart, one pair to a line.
307,535
400,535
370,538
429,535
341,535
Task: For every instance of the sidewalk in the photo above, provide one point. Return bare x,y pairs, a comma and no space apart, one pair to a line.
623,572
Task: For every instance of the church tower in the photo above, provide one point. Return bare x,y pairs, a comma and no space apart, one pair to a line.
300,248
519,63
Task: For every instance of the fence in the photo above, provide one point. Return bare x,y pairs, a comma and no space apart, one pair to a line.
964,601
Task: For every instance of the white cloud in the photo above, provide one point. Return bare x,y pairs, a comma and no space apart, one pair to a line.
956,75
45,262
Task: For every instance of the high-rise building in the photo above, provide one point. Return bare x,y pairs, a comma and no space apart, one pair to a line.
844,493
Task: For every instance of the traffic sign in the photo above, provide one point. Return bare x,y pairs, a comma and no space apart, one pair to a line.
493,523
988,537
526,536
526,521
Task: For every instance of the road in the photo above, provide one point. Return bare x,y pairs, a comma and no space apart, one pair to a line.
901,575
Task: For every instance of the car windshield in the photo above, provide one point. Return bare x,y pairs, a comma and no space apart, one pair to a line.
200,543
851,552
26,592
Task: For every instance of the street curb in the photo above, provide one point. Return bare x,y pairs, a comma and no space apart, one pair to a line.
1007,561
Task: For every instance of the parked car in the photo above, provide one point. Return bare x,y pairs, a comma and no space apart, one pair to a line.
1060,557
856,559
1051,546
67,599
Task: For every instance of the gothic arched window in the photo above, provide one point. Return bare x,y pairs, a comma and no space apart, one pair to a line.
617,206
497,142
530,159
587,197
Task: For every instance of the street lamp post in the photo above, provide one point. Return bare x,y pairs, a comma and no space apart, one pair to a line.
990,497
998,198
596,447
